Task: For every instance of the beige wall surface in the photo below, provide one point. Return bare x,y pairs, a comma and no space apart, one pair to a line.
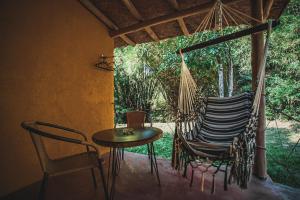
48,49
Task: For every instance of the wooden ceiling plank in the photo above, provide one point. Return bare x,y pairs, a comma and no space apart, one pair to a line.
167,18
98,14
174,4
180,21
132,9
104,19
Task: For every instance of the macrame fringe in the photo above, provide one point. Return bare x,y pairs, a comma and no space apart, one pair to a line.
202,182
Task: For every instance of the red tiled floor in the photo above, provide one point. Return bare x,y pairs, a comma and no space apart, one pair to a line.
136,182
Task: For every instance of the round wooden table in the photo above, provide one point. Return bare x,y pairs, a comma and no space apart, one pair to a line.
120,138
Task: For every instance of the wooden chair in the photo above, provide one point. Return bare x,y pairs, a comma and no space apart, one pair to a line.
136,119
54,167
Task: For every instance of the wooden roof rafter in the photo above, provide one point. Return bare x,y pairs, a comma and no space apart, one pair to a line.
180,21
139,21
167,18
108,22
132,9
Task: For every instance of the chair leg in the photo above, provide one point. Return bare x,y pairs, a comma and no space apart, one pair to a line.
94,178
103,180
43,186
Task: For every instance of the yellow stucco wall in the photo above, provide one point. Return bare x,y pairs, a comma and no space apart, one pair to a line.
48,50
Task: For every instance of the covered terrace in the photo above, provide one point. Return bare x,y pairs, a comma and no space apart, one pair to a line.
48,56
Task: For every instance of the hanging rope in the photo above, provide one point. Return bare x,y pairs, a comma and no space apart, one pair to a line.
187,90
217,15
261,73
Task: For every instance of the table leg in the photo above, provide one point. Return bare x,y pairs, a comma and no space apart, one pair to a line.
108,168
153,161
118,160
113,170
150,155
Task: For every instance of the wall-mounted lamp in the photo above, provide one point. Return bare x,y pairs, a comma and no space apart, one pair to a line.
105,63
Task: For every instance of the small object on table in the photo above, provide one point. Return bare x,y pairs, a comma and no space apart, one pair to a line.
128,131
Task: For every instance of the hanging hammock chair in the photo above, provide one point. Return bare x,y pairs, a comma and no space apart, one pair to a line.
217,132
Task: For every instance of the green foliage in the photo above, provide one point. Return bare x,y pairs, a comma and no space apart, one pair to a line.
283,161
283,75
134,89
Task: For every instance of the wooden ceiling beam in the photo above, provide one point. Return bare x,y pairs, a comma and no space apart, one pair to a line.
152,34
132,9
183,27
167,18
180,21
127,39
104,19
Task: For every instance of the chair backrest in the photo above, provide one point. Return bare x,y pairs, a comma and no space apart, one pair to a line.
37,134
135,119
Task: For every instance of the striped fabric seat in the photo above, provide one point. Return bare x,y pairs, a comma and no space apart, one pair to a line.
224,119
246,95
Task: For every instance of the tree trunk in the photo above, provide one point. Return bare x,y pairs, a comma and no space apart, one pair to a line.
221,80
230,76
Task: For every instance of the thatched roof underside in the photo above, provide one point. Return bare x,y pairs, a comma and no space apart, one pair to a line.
138,21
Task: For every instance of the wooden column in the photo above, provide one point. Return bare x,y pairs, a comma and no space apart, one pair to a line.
257,42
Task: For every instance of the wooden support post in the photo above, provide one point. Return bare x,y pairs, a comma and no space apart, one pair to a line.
257,41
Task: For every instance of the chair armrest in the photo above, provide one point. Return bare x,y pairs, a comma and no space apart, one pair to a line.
76,141
62,128
87,144
30,126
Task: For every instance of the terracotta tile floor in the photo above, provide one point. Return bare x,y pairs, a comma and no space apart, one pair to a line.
136,182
